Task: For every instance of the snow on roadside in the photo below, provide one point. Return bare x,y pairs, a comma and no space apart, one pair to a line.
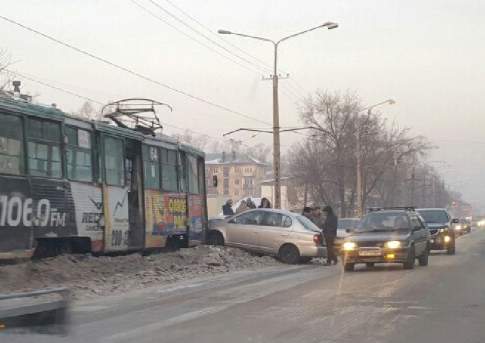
88,276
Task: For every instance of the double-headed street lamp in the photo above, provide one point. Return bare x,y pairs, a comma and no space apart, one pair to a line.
276,116
359,185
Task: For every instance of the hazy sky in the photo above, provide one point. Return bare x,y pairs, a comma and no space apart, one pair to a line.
427,55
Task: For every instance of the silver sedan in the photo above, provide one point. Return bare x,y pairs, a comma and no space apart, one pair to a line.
291,237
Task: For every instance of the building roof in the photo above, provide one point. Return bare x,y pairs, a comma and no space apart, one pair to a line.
231,158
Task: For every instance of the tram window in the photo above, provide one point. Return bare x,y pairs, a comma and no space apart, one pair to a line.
151,167
79,155
169,170
113,161
193,175
11,147
43,148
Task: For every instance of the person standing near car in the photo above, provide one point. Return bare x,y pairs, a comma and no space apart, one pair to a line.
329,233
243,206
227,208
250,204
265,203
307,212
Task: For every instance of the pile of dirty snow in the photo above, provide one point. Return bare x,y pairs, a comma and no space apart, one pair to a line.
89,276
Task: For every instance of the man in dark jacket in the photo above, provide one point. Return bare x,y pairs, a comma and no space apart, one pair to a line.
330,233
227,208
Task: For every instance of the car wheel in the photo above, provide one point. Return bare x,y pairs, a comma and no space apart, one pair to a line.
215,238
423,259
305,259
409,264
450,250
349,267
370,264
289,254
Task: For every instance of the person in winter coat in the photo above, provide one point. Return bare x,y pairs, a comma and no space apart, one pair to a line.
307,212
227,208
265,203
330,233
242,207
250,203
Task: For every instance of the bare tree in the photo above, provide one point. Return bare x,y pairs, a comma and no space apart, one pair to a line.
5,62
326,162
198,141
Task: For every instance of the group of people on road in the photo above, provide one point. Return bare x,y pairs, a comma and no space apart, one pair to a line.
326,220
244,205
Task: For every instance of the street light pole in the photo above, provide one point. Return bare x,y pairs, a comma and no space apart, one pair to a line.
359,182
276,110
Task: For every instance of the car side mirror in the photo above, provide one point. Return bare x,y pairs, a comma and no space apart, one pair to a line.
455,221
214,181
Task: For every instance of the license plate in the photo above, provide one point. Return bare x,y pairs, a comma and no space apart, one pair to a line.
370,252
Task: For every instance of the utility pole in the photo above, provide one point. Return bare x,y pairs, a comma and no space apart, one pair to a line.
276,114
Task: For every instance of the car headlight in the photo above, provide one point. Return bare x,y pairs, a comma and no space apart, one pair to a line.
392,245
458,227
447,239
442,230
349,246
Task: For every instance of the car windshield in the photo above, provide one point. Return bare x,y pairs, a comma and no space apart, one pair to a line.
344,224
384,221
434,216
307,224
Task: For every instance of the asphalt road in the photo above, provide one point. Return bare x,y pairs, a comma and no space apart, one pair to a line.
444,302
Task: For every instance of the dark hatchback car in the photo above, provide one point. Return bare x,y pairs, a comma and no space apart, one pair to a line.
387,236
440,226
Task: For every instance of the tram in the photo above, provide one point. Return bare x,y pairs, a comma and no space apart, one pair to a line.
69,184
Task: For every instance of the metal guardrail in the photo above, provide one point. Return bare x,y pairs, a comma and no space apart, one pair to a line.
64,291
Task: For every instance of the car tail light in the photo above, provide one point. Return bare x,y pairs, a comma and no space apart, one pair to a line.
317,239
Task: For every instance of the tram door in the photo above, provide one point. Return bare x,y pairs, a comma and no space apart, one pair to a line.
121,199
134,179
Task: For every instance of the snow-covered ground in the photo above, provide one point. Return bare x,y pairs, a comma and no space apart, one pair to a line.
88,276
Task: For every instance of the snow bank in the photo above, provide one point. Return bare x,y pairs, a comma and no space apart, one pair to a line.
88,276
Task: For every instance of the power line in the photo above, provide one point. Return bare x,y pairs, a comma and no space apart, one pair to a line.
54,87
288,90
181,21
265,64
130,71
69,92
190,37
296,91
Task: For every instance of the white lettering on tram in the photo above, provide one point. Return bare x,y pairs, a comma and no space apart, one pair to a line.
15,211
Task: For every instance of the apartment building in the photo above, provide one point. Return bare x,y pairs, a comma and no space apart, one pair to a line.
238,175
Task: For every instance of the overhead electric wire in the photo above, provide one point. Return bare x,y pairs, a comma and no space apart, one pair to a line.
285,88
53,87
216,43
98,102
190,37
295,91
265,64
130,71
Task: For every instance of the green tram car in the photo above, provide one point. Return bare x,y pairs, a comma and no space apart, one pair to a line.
73,185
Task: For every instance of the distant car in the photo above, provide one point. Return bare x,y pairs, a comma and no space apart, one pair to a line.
463,226
344,228
387,236
440,226
290,236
